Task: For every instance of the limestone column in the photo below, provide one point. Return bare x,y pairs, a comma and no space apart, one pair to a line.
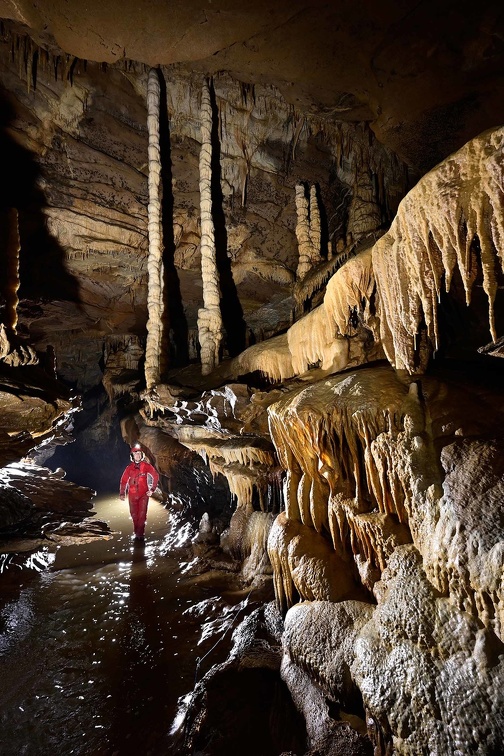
209,316
315,233
307,230
11,247
303,232
155,258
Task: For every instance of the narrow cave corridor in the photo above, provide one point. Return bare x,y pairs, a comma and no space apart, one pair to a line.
102,642
252,265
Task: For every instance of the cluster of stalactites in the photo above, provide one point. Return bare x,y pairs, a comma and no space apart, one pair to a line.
341,442
210,329
452,210
244,466
307,229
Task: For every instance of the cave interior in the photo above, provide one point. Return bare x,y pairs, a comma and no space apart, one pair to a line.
266,242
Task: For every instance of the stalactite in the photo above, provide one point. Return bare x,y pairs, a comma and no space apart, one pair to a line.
155,259
209,316
437,223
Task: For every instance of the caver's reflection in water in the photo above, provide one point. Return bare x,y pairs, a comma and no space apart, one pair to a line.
140,716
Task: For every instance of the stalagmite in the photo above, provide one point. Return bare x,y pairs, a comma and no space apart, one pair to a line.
155,260
315,230
209,316
303,232
308,230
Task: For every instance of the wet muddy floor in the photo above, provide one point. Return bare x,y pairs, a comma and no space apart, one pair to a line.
97,644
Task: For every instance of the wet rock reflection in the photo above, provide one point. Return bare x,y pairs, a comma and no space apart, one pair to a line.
96,648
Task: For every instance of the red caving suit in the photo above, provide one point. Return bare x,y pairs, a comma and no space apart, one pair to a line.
136,480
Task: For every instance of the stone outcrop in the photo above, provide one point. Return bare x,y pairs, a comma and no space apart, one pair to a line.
392,536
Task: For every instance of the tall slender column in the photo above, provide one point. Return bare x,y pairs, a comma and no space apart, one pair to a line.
209,316
9,239
155,258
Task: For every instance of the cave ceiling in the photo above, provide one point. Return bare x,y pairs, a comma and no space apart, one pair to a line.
357,99
427,76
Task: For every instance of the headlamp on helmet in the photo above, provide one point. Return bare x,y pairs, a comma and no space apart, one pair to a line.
136,448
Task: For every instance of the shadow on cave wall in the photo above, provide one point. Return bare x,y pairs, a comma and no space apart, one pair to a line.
175,321
232,312
42,269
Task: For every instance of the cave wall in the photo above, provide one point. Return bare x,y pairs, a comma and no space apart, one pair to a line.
75,139
387,554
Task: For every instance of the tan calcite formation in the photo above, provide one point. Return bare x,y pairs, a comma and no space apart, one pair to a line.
303,231
429,675
320,637
454,210
209,316
247,465
325,337
318,652
464,553
363,471
338,483
401,274
364,214
244,462
308,230
155,305
429,672
305,565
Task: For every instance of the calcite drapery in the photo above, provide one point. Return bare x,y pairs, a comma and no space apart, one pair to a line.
324,337
363,471
455,208
401,274
305,565
209,316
